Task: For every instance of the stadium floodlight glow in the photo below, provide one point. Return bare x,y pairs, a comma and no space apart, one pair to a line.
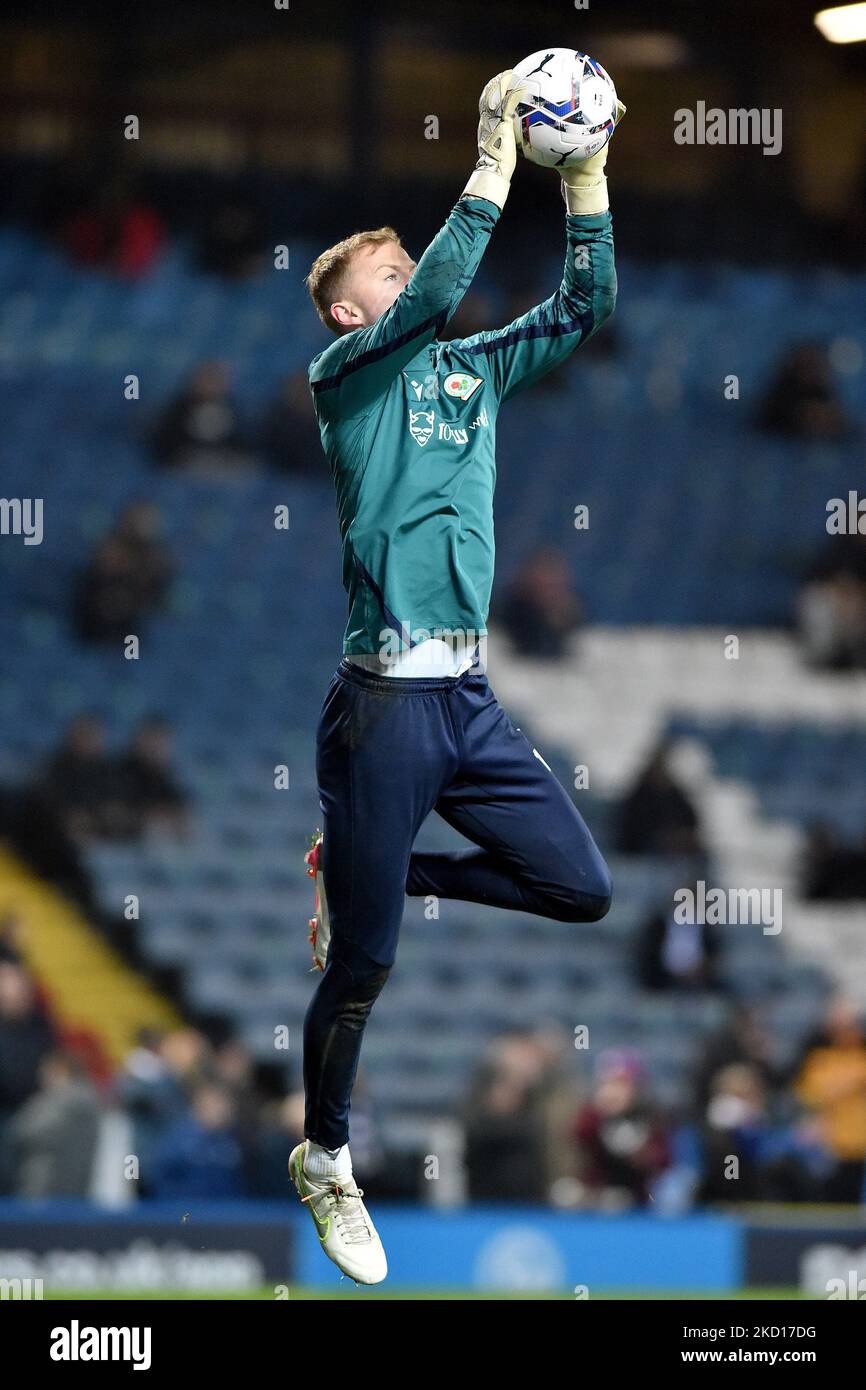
843,23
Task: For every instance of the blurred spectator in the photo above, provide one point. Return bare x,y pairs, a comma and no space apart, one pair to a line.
290,435
234,240
802,401
53,1136
82,783
126,579
200,1155
99,797
26,1038
833,871
152,798
657,816
187,1055
506,1133
201,429
831,607
831,615
281,1128
153,1097
678,955
35,825
562,1088
733,1128
744,1038
831,1082
542,610
233,1067
115,229
621,1138
748,1158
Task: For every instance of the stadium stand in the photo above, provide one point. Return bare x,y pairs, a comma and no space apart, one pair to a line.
696,521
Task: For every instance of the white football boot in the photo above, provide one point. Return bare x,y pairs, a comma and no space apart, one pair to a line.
320,925
347,1235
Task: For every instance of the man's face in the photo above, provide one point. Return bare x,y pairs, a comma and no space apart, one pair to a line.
378,274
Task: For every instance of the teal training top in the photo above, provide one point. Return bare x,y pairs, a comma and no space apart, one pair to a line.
408,425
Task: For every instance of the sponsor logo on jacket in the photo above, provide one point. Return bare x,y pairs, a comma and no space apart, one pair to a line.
455,434
421,425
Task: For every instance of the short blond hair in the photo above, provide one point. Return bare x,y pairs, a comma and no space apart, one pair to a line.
329,272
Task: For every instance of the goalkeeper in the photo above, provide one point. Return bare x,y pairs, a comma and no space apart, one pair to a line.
409,723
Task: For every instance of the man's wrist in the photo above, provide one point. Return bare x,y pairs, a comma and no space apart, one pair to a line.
585,197
486,183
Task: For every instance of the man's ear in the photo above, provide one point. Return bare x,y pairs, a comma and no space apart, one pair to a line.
345,314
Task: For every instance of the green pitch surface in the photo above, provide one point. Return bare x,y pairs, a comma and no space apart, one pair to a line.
348,1290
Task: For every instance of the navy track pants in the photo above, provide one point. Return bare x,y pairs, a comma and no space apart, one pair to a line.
390,751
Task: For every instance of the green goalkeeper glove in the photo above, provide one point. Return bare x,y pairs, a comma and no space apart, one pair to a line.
584,186
497,147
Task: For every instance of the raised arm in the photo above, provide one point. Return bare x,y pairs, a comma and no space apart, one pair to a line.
362,364
534,344
539,340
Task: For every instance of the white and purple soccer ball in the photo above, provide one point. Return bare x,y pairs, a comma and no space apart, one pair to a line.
567,110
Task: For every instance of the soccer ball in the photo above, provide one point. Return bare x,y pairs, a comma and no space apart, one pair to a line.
567,110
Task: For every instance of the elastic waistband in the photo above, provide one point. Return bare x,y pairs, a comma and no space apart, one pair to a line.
407,685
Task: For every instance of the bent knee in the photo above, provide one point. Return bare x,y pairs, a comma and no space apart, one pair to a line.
599,907
602,889
589,900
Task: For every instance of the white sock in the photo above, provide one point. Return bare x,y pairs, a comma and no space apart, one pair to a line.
327,1163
